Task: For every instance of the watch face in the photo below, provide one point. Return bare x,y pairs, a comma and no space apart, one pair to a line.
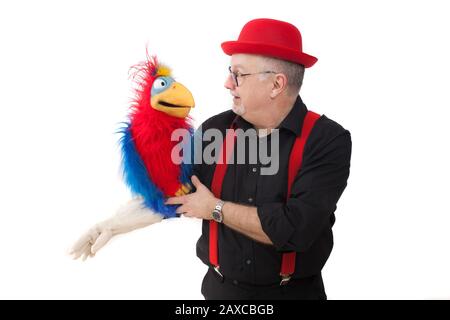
217,216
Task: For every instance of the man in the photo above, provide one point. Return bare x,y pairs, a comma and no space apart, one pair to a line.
256,225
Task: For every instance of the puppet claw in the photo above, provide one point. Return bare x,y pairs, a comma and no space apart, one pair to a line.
183,190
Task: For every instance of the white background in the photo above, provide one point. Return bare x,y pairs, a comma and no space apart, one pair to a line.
383,73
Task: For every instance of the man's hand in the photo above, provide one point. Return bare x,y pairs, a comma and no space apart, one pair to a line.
199,204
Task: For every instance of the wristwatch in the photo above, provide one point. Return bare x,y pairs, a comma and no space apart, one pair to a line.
217,214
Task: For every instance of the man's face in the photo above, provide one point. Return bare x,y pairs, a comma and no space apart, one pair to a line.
253,93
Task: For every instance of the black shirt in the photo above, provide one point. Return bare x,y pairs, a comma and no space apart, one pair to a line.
303,223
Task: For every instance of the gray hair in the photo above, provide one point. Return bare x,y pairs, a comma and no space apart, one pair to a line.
294,72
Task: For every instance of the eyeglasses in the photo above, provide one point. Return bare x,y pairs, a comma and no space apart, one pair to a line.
236,75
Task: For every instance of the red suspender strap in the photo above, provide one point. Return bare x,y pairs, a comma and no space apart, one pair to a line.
295,163
216,188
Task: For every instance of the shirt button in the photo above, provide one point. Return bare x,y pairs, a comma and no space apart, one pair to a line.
235,282
250,199
248,261
254,169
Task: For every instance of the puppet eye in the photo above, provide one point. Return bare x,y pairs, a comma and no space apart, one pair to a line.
161,83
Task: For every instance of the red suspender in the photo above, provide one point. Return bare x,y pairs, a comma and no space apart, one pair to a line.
295,162
216,188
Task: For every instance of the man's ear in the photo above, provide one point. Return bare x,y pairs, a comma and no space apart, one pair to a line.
279,84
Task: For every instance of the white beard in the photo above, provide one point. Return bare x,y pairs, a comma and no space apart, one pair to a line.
239,110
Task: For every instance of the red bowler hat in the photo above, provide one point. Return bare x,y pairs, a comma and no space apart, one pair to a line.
273,38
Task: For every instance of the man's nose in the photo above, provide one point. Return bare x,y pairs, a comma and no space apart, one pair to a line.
229,83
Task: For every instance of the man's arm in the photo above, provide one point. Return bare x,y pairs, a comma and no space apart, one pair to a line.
295,225
245,220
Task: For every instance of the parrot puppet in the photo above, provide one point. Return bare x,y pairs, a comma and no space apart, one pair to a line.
160,106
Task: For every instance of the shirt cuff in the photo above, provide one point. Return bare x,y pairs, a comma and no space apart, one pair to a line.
275,224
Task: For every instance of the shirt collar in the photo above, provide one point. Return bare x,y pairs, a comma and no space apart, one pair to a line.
294,119
292,122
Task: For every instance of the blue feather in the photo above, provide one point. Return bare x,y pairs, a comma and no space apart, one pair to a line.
188,160
137,179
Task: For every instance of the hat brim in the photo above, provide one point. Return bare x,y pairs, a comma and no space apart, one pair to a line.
233,47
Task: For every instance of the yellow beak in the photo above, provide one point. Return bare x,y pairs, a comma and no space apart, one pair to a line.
176,101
